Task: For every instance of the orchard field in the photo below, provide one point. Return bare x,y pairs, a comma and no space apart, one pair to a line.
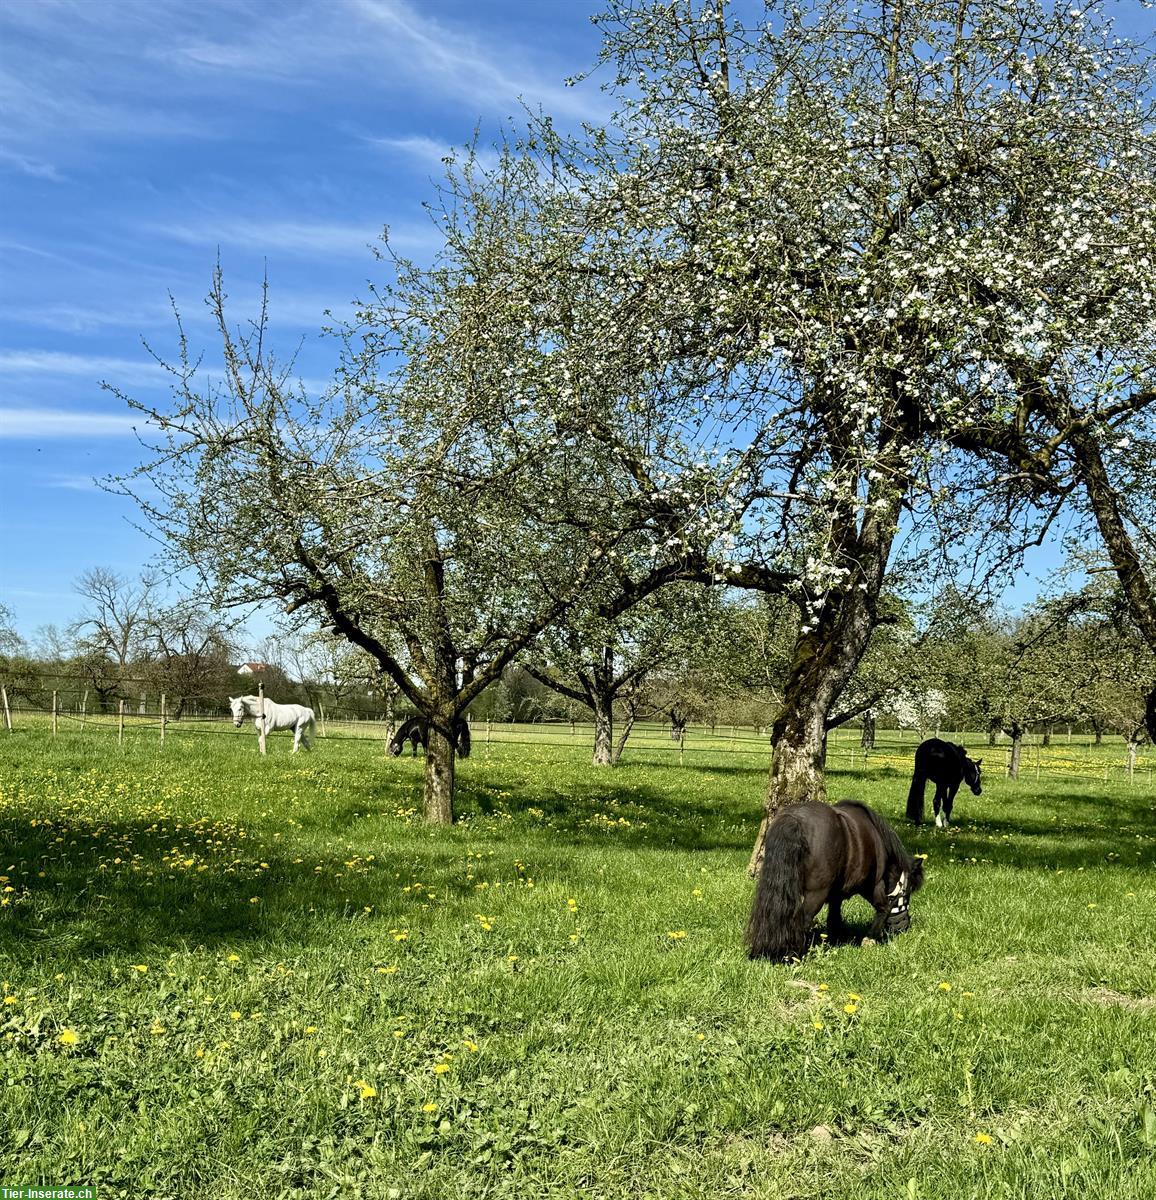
233,977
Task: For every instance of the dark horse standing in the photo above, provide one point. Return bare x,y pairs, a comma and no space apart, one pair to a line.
416,732
946,764
816,854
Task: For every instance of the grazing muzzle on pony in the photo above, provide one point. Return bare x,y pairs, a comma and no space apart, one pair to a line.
898,918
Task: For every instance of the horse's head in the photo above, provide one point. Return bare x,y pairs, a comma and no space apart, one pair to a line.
238,707
909,879
971,774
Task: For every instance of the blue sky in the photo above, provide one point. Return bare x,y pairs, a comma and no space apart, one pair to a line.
141,137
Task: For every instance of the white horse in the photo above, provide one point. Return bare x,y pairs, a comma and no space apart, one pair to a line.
277,716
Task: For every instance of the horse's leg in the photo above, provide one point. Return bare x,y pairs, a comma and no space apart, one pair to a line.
949,803
813,900
837,929
940,793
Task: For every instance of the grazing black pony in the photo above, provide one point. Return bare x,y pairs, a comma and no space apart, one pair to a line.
946,764
416,732
816,854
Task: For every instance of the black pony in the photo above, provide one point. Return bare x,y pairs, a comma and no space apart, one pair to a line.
416,732
816,854
946,764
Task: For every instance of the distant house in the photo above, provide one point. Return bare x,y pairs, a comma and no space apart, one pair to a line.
253,668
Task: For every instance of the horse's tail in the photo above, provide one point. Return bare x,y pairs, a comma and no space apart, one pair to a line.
915,797
462,729
777,928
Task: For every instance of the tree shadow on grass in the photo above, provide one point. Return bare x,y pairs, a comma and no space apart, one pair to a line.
64,902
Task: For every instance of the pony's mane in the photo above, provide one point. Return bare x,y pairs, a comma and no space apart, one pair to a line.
891,843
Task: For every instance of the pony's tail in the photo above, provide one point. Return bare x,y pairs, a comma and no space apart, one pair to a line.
915,797
777,928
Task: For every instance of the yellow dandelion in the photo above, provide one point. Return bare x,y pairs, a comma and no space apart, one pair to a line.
310,1028
472,1047
141,967
676,934
430,1108
157,1029
367,1090
69,1037
850,1008
399,1033
854,996
984,1139
816,1024
945,986
701,1037
235,1015
11,1000
441,1068
233,958
823,987
254,899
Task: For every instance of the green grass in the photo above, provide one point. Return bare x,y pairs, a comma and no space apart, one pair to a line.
296,960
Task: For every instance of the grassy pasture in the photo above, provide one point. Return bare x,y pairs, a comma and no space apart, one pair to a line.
233,977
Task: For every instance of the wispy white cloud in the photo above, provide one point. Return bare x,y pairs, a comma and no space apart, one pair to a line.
494,78
260,236
430,153
94,367
301,238
27,164
30,422
73,483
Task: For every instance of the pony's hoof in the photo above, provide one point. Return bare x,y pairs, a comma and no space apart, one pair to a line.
868,941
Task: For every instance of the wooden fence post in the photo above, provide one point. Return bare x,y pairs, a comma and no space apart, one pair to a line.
164,717
54,712
261,717
321,710
7,713
84,708
120,723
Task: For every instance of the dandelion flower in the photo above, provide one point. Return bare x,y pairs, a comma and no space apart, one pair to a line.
233,958
441,1068
984,1139
676,933
141,967
472,1047
816,1024
850,1008
367,1090
945,986
69,1037
430,1108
